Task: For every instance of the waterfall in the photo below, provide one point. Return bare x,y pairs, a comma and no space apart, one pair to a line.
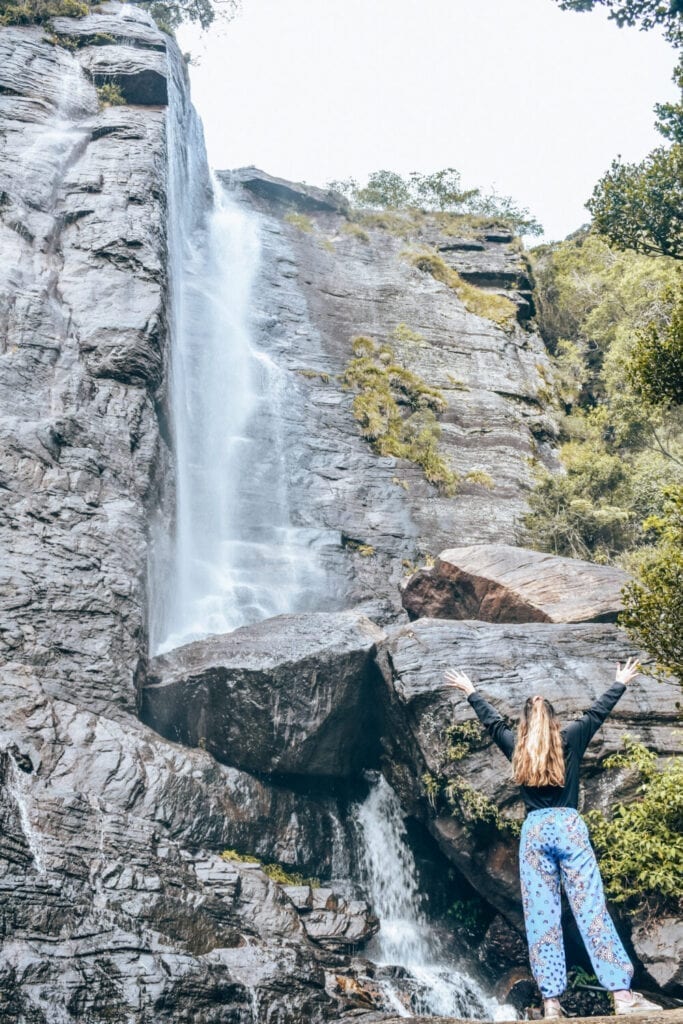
234,556
434,985
18,791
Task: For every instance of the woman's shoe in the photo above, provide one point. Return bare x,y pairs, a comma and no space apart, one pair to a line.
637,1003
552,1008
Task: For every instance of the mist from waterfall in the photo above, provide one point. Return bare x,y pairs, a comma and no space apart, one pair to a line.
388,875
233,556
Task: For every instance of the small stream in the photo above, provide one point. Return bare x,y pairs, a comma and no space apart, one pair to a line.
430,983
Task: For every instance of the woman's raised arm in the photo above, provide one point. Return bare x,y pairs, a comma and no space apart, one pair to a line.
492,721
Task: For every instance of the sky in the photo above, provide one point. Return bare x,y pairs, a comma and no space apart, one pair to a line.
518,95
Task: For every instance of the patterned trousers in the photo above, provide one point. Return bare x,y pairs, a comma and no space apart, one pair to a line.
554,845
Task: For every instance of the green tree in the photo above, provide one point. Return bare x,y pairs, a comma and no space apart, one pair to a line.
653,604
655,370
669,121
640,206
169,14
640,848
646,14
440,191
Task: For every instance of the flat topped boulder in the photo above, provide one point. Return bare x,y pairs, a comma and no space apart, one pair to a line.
298,194
289,695
502,583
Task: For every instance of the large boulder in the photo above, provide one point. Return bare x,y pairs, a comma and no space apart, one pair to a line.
290,695
502,583
659,946
433,741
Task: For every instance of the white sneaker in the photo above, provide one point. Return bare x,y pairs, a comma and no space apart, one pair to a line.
636,1004
552,1009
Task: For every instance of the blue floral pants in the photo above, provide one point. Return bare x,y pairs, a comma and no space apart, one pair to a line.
555,844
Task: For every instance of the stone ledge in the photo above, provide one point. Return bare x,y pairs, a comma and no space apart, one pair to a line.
661,1017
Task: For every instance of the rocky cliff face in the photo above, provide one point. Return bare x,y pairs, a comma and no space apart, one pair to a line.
326,280
115,902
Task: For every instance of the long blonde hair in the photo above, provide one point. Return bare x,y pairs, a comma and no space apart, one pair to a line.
538,758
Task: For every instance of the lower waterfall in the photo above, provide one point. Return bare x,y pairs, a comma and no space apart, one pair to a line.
431,985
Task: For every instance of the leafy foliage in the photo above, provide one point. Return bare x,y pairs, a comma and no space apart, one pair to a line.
655,370
646,14
640,206
598,309
28,12
669,121
110,95
640,848
170,14
653,605
274,871
440,191
386,392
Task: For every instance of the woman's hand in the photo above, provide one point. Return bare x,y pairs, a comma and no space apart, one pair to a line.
458,680
628,672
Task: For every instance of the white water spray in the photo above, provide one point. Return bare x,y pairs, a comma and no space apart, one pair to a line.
405,937
236,556
18,790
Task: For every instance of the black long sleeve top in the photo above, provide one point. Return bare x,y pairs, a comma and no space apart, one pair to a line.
575,738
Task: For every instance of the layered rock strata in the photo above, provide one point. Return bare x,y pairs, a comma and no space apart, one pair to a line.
501,583
292,695
115,903
326,279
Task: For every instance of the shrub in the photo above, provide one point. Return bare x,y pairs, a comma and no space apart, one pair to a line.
110,95
640,848
28,12
274,871
655,370
385,388
653,603
300,221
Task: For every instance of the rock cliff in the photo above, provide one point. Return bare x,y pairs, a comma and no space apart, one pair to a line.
326,279
123,778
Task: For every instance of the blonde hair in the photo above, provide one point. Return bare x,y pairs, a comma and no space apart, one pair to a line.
538,758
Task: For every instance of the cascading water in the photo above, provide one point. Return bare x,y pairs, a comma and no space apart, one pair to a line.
405,939
235,557
19,791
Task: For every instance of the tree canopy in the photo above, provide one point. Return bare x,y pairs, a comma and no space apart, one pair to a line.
640,206
438,191
646,14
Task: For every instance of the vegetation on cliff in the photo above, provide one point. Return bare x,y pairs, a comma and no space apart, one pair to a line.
168,14
641,846
477,300
612,321
442,192
384,390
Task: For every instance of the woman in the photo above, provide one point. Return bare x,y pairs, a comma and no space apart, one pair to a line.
554,842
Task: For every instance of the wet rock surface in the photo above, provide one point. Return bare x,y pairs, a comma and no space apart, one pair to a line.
82,245
290,695
501,583
115,904
331,920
